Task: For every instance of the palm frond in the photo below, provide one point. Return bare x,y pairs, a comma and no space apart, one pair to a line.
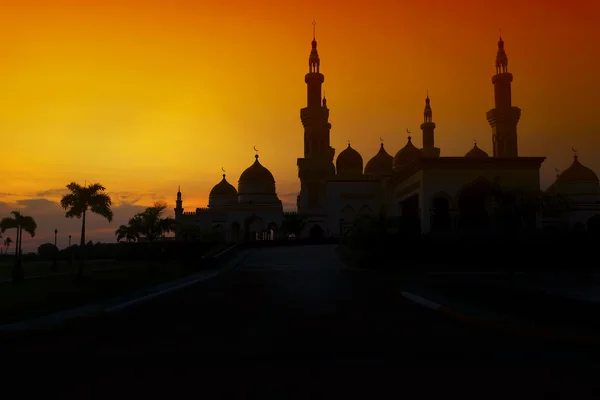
29,225
8,223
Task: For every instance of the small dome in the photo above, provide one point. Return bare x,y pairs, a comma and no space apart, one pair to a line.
476,152
256,173
349,160
406,155
380,164
577,173
223,188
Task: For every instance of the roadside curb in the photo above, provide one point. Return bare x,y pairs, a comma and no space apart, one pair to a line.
514,328
85,313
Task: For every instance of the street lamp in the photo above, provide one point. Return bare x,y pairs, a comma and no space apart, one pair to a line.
55,255
69,240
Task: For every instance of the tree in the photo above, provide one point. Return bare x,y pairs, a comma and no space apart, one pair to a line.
151,224
189,231
47,251
79,201
7,243
128,232
20,223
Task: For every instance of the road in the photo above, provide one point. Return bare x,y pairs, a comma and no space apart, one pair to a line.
294,303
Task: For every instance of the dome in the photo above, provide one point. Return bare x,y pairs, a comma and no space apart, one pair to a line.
256,173
349,160
223,188
380,164
406,155
577,173
476,152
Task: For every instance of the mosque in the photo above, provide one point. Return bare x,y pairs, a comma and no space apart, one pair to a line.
438,191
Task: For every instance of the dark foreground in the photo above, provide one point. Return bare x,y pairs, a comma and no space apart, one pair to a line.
294,304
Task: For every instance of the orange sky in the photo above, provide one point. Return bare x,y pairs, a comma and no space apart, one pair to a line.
143,96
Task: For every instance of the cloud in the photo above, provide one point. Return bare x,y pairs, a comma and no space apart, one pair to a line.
55,192
4,194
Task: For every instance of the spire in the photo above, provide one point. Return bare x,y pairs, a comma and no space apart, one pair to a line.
313,61
428,115
501,57
324,100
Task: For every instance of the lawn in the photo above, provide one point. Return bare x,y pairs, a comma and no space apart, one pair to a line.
37,268
103,280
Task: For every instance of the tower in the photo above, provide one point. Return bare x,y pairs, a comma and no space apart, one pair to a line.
504,117
317,164
428,126
178,204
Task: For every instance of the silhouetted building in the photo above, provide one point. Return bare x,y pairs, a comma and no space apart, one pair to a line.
428,191
573,198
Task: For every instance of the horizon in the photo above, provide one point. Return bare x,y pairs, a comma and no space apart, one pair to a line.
173,93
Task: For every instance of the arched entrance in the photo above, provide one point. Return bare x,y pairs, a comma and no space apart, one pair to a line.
317,232
475,205
254,227
440,218
273,231
235,231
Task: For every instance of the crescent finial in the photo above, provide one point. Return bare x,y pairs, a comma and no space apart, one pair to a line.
255,149
381,139
408,131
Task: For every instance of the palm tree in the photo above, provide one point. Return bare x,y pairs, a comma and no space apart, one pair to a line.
81,200
20,223
7,243
128,232
151,224
189,231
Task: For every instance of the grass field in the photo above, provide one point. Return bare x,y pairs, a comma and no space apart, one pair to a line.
38,268
103,279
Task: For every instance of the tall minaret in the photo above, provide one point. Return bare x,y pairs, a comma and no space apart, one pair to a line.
178,204
504,117
317,164
315,116
428,126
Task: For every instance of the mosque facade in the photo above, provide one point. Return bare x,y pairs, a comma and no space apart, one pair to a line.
438,191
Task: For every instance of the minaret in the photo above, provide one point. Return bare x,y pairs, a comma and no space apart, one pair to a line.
178,204
428,126
315,116
316,166
504,117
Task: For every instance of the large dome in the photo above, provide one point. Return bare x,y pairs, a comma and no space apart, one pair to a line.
349,161
222,194
406,155
577,173
380,164
223,188
257,185
256,173
476,152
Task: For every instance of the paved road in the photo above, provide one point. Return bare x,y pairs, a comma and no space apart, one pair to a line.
293,303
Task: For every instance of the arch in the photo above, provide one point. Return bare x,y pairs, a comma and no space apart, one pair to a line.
475,201
317,232
254,226
440,217
235,230
218,228
365,211
273,230
347,213
593,225
445,195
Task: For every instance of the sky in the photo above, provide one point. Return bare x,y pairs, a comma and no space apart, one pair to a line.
146,95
